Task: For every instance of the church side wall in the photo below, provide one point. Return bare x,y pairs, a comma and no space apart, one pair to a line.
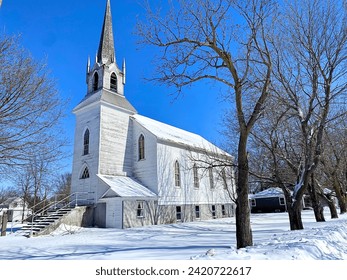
145,170
86,119
187,193
115,142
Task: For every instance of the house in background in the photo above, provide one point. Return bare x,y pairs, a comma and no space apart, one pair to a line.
267,201
137,171
14,206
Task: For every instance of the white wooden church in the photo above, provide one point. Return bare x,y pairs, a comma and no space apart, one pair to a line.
137,171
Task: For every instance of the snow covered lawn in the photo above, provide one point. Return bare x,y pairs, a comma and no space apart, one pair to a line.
214,239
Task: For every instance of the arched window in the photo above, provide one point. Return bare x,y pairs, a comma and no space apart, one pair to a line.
141,147
95,81
196,176
113,82
86,142
85,173
210,173
177,174
224,178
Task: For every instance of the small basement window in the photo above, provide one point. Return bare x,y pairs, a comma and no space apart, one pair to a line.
139,210
178,213
213,208
223,210
197,211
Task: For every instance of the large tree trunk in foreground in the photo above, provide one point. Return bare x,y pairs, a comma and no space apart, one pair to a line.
243,225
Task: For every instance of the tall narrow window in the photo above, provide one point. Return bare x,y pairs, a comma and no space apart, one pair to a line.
224,178
210,173
178,213
177,174
85,173
141,147
196,176
95,81
139,209
113,82
86,142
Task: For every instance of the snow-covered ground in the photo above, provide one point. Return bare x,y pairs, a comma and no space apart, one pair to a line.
214,239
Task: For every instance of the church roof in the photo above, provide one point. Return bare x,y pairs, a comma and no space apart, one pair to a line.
108,97
174,135
124,186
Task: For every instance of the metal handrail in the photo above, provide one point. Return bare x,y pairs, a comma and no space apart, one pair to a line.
66,202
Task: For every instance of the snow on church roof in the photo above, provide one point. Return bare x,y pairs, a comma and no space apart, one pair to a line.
125,186
176,135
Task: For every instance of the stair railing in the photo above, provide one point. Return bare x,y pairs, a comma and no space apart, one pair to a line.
73,200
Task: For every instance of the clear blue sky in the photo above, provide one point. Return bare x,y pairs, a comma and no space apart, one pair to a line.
66,32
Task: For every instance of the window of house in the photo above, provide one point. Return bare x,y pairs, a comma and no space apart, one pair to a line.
197,211
139,210
85,173
223,210
210,174
213,210
282,202
196,176
141,147
113,82
177,174
178,213
86,142
95,81
253,202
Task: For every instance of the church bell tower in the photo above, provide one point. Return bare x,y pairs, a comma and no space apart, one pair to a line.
103,133
105,73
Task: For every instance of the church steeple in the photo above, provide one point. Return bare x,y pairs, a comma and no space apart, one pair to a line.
106,51
105,74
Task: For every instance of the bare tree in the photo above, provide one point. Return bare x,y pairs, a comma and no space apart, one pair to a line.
30,107
223,41
334,162
310,74
63,185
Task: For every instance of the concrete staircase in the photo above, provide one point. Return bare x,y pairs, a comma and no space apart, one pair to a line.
45,223
73,210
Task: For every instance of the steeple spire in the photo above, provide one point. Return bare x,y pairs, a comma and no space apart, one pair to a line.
106,52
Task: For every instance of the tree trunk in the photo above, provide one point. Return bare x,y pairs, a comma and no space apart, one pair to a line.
289,208
341,197
243,224
3,224
331,204
332,208
295,216
316,204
